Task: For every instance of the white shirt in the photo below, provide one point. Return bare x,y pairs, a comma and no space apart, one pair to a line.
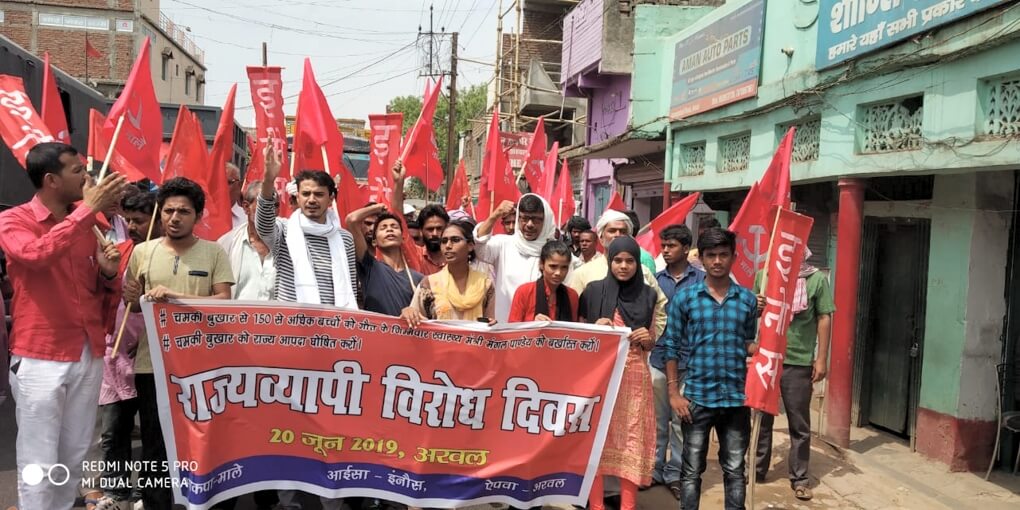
255,277
240,216
510,267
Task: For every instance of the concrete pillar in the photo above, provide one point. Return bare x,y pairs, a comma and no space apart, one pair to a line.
839,397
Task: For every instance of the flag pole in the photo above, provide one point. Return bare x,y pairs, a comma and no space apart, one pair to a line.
127,308
752,448
109,150
559,215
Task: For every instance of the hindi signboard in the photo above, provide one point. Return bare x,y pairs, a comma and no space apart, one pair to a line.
848,28
718,64
270,395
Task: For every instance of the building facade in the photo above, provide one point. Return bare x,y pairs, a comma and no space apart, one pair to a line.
906,154
622,152
96,42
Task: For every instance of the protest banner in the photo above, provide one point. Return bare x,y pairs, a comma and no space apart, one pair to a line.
786,253
269,395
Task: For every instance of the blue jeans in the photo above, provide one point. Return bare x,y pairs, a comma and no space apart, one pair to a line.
667,433
733,426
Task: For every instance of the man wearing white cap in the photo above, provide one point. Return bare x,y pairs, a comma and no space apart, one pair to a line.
611,225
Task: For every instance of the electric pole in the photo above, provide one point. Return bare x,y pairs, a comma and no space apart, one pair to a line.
451,130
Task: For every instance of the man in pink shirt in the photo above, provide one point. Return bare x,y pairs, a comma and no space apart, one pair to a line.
60,275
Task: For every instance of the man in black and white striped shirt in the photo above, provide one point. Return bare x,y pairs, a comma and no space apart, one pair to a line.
315,259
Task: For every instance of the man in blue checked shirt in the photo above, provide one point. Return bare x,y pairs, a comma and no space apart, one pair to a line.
678,274
709,329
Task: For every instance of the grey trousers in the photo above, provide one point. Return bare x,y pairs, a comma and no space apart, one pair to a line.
795,387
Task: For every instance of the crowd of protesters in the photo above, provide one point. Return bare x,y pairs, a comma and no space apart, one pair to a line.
691,326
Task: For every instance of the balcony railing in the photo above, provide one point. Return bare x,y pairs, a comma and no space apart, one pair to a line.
180,36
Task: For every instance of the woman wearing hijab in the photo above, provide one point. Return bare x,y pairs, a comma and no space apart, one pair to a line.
622,299
514,258
456,292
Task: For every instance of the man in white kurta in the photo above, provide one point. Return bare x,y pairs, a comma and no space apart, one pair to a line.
514,258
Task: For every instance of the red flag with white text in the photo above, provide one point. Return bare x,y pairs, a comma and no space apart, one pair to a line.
751,224
790,236
52,108
136,153
676,214
384,138
270,127
534,165
20,126
459,189
421,153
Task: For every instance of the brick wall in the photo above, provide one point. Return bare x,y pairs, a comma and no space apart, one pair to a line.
17,26
120,5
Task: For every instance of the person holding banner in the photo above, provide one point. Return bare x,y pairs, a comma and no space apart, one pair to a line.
678,274
622,299
514,258
711,326
802,367
60,273
178,265
458,292
555,301
315,259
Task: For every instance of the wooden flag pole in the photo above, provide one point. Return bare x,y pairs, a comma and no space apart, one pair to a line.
559,214
752,447
127,308
109,150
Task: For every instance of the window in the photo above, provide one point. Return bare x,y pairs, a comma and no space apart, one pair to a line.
735,153
164,66
1000,106
891,126
187,83
198,89
692,158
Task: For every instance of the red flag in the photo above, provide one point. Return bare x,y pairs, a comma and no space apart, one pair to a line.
563,201
189,158
497,175
90,50
223,147
52,108
548,182
20,126
267,96
790,235
752,221
137,149
421,154
459,189
316,128
616,203
535,168
385,142
97,146
649,239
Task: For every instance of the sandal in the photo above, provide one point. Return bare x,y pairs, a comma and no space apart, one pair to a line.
802,493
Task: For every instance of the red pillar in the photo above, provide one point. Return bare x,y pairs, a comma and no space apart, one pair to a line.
667,195
839,394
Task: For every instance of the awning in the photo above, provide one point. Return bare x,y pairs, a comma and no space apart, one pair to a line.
626,146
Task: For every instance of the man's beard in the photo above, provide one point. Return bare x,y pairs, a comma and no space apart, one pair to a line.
433,245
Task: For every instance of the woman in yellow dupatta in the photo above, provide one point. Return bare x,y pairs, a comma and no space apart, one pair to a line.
457,292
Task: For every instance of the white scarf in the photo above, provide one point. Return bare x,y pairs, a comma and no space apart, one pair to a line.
305,286
534,248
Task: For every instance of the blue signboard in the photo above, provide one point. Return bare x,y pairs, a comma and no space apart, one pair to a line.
848,28
718,64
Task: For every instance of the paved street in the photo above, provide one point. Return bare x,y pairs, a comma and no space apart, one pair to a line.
877,472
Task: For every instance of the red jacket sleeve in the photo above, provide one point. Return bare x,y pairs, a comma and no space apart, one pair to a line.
523,300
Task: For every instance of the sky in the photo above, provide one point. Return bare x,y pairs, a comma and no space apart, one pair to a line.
364,52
